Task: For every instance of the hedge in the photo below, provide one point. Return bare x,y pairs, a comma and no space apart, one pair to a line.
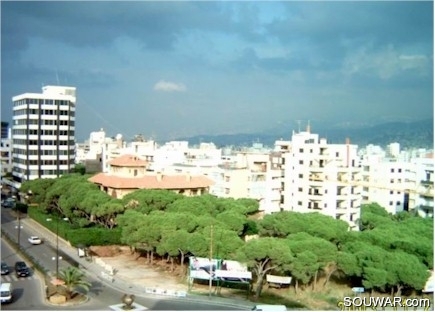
90,236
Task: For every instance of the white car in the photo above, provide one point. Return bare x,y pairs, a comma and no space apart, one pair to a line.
35,240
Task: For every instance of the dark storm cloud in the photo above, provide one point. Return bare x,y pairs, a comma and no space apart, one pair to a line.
98,23
332,29
320,55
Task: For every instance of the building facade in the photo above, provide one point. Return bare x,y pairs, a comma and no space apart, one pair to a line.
43,134
320,177
6,150
129,173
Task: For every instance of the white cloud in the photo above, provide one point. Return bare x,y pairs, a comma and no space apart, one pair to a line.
167,86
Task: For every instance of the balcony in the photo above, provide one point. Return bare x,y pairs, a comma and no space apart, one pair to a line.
315,197
342,196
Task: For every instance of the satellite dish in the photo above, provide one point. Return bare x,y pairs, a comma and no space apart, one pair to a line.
119,136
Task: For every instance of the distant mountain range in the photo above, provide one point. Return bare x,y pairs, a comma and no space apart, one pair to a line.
416,134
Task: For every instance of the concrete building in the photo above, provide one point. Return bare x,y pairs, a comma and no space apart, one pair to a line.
249,175
317,177
394,149
5,130
129,173
386,181
6,150
422,197
43,133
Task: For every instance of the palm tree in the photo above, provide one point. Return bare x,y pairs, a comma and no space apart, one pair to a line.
73,278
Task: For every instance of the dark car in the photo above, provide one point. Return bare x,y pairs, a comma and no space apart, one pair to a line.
8,204
4,268
21,269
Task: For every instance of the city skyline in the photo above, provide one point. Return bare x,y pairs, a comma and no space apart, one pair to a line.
174,69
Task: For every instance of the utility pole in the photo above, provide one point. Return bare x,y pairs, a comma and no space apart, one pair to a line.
19,226
17,210
210,282
57,248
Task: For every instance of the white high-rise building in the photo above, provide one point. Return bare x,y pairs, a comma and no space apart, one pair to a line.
318,177
43,133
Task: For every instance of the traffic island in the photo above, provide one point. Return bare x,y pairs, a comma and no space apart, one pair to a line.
57,299
128,304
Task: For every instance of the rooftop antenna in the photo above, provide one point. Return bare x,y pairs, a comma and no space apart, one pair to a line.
57,78
308,127
299,125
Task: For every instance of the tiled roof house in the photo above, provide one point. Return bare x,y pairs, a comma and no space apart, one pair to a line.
129,173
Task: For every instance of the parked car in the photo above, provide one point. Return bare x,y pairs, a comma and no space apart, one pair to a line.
21,269
8,203
4,268
35,240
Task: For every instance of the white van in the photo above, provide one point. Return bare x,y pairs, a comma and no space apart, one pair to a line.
6,292
269,307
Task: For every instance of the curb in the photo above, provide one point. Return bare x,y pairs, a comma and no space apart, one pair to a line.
133,289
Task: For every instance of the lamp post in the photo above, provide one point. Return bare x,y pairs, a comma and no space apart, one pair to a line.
18,227
210,282
57,258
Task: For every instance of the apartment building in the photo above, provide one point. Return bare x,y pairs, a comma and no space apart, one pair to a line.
249,175
422,198
43,133
319,177
387,181
6,149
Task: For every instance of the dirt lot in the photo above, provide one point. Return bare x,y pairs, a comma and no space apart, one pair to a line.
129,266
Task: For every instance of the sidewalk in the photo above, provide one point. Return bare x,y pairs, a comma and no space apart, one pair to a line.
128,286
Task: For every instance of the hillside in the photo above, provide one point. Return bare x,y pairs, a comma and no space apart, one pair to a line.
408,134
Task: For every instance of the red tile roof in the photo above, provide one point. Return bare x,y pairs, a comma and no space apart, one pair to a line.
128,161
167,182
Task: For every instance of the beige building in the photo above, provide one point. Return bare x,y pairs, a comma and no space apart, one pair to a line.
129,173
249,175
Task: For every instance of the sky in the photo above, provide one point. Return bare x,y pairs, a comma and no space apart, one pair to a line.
177,69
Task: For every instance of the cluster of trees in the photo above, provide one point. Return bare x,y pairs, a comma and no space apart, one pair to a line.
389,254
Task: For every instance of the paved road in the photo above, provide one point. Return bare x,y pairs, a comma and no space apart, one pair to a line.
27,292
102,295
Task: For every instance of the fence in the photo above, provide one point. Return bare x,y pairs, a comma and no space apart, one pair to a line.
165,292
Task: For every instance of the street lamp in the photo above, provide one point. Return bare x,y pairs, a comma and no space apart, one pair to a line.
57,258
19,227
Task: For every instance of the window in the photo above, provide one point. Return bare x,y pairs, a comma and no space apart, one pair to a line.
301,162
391,203
300,175
400,170
300,189
391,192
299,203
301,150
398,203
392,170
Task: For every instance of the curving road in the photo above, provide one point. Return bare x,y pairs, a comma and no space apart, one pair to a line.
30,291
